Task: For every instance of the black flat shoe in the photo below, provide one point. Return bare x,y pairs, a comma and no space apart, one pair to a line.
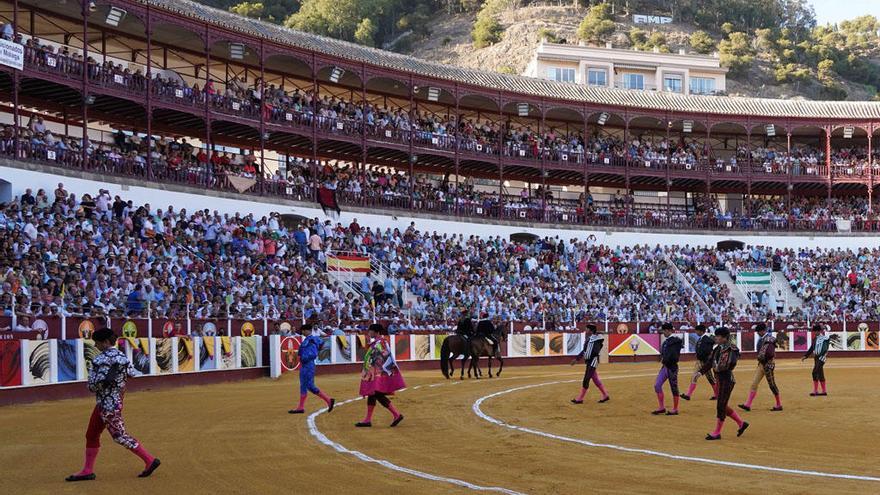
713,437
672,413
332,405
776,408
362,424
575,401
744,407
742,429
80,477
658,412
397,421
153,466
606,399
296,411
713,398
685,396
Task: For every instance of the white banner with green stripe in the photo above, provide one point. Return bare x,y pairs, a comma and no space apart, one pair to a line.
753,278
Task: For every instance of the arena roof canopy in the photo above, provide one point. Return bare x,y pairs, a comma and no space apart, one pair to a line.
720,105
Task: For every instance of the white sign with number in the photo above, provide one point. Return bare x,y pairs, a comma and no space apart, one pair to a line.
178,93
51,62
387,133
51,155
288,116
236,106
340,125
118,79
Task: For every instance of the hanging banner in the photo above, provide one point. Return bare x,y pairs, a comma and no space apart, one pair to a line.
11,54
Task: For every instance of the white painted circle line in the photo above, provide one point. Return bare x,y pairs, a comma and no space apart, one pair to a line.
755,467
315,432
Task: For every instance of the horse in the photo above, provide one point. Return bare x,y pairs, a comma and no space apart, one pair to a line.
454,346
482,346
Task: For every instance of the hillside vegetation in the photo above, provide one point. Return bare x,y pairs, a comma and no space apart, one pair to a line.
773,48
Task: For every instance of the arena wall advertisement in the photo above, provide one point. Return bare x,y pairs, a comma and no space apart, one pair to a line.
36,362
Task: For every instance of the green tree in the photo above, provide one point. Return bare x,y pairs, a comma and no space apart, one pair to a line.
248,9
597,25
487,31
638,38
736,53
365,32
701,42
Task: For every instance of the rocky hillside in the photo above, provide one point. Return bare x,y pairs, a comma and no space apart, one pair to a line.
773,48
450,42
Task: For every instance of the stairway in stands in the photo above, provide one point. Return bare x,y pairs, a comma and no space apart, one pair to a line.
738,297
780,284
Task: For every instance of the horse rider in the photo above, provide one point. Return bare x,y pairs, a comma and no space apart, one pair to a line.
486,329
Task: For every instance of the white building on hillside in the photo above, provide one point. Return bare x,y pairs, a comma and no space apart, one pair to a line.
628,69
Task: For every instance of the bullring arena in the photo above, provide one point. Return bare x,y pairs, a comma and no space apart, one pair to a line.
205,186
491,435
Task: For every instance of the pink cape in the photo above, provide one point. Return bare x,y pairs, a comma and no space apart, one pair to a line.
383,384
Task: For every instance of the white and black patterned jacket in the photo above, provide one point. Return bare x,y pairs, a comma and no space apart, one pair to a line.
110,370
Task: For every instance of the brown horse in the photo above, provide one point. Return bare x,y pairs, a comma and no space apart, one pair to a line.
481,345
454,346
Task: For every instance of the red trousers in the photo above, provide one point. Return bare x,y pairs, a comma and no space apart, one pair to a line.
113,422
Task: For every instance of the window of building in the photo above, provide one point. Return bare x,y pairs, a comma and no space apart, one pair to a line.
702,85
597,77
633,81
560,74
672,83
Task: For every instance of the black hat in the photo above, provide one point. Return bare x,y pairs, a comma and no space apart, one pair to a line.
592,328
700,327
667,326
722,332
378,328
104,335
761,327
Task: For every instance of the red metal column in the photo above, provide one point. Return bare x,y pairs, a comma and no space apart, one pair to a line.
85,84
501,129
412,119
16,117
870,168
314,166
828,157
149,76
209,151
455,197
541,130
626,163
363,166
668,165
586,169
262,88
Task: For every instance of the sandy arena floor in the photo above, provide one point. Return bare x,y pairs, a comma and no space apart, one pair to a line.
238,438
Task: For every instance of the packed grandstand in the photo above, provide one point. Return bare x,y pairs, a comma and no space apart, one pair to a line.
96,255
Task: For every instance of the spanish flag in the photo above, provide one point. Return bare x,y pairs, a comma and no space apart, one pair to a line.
347,263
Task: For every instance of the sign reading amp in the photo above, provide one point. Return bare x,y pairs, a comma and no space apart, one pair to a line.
651,19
